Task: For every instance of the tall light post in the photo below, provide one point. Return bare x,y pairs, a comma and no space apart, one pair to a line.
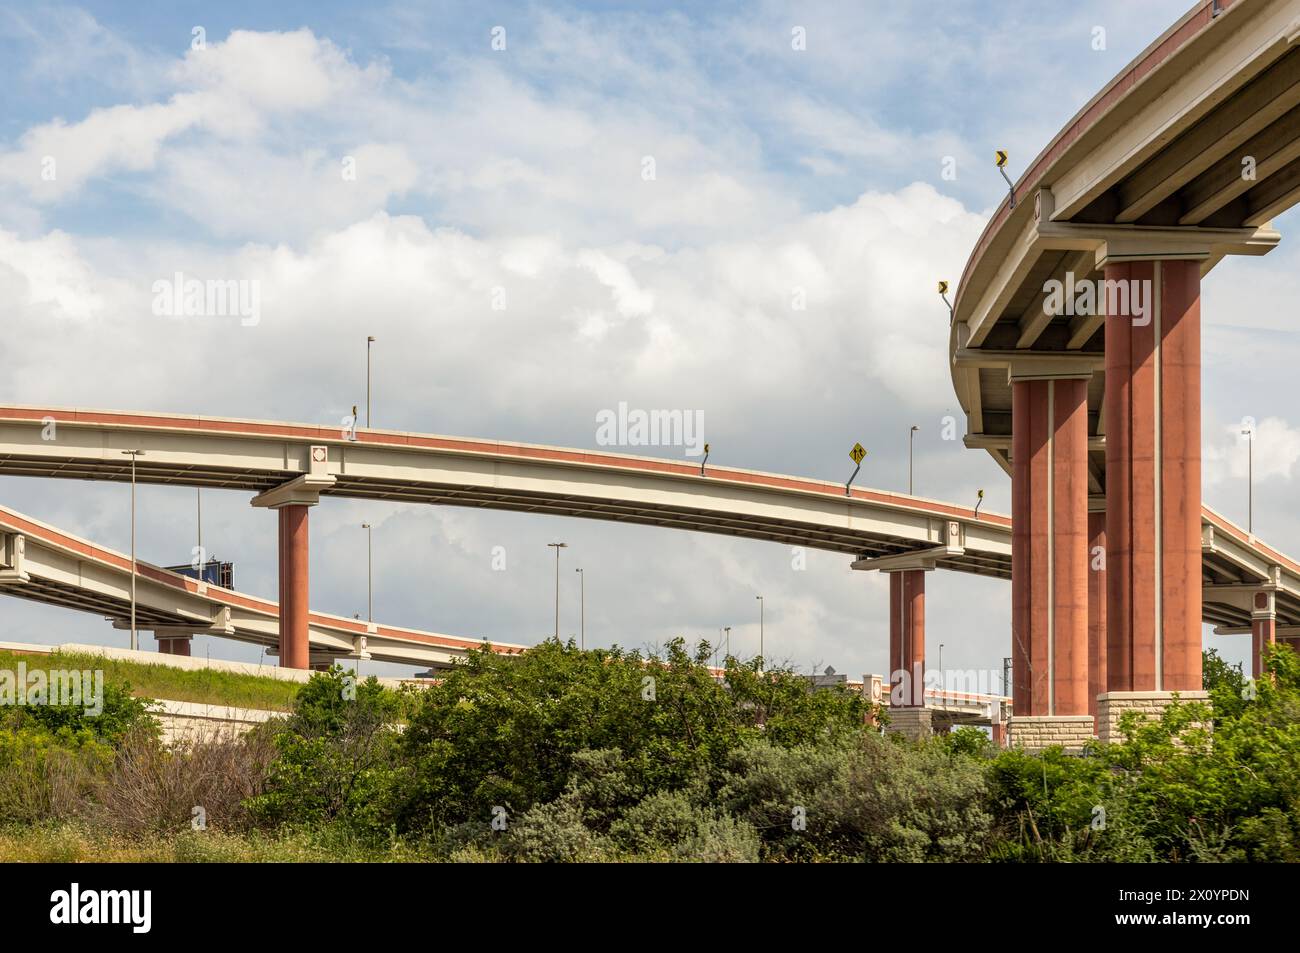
761,660
198,503
1249,434
582,607
727,629
911,439
557,547
369,341
370,572
944,684
133,454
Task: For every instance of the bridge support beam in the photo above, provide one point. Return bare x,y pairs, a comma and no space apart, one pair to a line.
1049,555
1096,608
1153,483
294,499
1263,629
294,586
907,638
173,644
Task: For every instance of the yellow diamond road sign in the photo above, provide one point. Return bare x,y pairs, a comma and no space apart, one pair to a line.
857,453
1001,156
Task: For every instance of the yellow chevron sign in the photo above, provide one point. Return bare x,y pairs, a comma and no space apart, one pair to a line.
1001,157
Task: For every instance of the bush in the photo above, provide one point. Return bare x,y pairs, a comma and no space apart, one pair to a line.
506,731
336,756
51,756
668,825
554,832
44,778
71,726
205,782
863,798
720,840
658,822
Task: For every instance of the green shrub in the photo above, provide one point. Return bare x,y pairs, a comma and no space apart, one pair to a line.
336,756
505,731
862,798
121,715
720,839
555,833
43,777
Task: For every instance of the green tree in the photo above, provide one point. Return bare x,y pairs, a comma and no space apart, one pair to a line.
336,756
504,732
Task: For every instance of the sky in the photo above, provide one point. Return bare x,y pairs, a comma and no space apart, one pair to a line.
541,211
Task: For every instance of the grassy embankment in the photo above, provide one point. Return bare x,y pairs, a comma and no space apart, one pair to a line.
202,686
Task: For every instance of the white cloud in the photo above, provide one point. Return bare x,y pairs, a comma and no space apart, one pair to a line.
46,282
228,89
1275,450
655,324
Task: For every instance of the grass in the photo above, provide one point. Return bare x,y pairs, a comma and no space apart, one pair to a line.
80,843
72,842
202,686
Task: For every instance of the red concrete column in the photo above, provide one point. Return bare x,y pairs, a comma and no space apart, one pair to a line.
1096,608
1153,477
1049,548
1000,735
1023,469
293,587
1263,631
907,635
173,644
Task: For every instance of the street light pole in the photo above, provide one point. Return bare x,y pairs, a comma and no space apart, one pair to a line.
198,501
727,629
135,639
369,341
761,660
582,607
370,572
1250,479
941,675
557,547
911,439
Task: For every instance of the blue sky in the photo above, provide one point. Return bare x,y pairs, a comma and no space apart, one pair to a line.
522,169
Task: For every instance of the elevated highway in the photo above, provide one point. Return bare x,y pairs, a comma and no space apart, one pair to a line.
880,531
1075,351
43,564
288,462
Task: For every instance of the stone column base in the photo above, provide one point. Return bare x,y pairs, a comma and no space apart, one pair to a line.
1111,705
910,721
1036,732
